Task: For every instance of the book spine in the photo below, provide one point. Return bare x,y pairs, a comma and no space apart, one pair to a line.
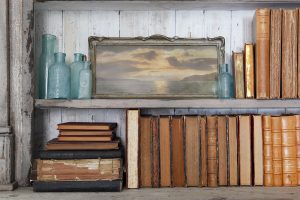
212,162
249,70
268,154
258,151
233,149
298,145
238,66
222,150
262,53
155,152
298,64
203,152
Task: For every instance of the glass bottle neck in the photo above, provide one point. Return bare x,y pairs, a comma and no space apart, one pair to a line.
87,65
78,57
60,57
48,44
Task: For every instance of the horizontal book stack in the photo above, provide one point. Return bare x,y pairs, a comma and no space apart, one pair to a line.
84,157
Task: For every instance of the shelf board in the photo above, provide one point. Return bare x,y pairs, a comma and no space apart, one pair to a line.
167,103
163,5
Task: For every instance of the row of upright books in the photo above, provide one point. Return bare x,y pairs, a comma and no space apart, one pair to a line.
211,151
84,157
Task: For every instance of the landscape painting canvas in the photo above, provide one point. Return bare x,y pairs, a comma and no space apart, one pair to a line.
156,70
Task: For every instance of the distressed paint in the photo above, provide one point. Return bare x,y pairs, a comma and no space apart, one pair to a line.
6,159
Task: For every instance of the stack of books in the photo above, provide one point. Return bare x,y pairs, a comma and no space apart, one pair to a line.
84,157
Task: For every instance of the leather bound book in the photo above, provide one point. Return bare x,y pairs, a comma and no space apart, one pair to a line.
165,151
245,150
268,154
212,162
258,160
203,152
238,67
145,152
155,152
249,70
289,53
298,54
84,138
277,156
298,145
178,173
262,53
233,151
93,126
289,155
192,153
275,53
222,150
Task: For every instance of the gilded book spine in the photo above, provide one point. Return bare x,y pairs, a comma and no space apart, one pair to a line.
268,154
212,166
298,145
277,156
249,71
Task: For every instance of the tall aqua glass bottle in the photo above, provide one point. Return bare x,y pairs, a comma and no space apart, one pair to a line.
45,61
59,78
76,66
226,87
85,82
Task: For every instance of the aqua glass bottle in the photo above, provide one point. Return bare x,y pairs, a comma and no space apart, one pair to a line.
85,82
59,78
225,79
45,61
76,66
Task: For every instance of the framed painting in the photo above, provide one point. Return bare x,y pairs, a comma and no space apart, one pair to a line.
155,67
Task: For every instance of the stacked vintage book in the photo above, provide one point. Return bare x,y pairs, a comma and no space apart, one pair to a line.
84,157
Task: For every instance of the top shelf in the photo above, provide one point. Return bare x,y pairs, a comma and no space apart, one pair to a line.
163,5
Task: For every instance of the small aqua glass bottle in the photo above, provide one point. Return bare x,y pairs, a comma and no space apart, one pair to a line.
225,79
76,67
85,82
59,78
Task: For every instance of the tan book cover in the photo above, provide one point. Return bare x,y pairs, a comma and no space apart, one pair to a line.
268,154
238,67
245,150
86,133
249,70
84,138
275,53
87,126
192,153
258,161
289,53
289,148
212,162
298,64
155,152
262,53
165,151
298,145
203,152
222,150
277,156
233,150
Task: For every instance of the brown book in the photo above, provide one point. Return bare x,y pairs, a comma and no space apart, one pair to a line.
155,152
56,145
87,133
178,174
277,156
245,150
275,53
192,153
298,145
249,70
298,64
233,151
238,67
262,53
203,167
132,146
145,147
165,151
268,154
289,53
258,160
84,138
212,162
289,148
95,126
222,150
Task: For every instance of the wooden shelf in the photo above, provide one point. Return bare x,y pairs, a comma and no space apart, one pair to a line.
167,103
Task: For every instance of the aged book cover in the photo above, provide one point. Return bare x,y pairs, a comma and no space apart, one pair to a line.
289,148
155,152
165,151
95,126
192,153
84,138
298,145
249,70
233,151
178,173
238,67
258,160
145,163
222,149
212,163
275,53
132,137
203,175
277,156
298,64
262,53
245,150
86,133
289,53
268,154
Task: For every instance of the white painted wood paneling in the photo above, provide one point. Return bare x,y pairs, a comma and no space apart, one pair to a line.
6,158
134,23
161,22
104,23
